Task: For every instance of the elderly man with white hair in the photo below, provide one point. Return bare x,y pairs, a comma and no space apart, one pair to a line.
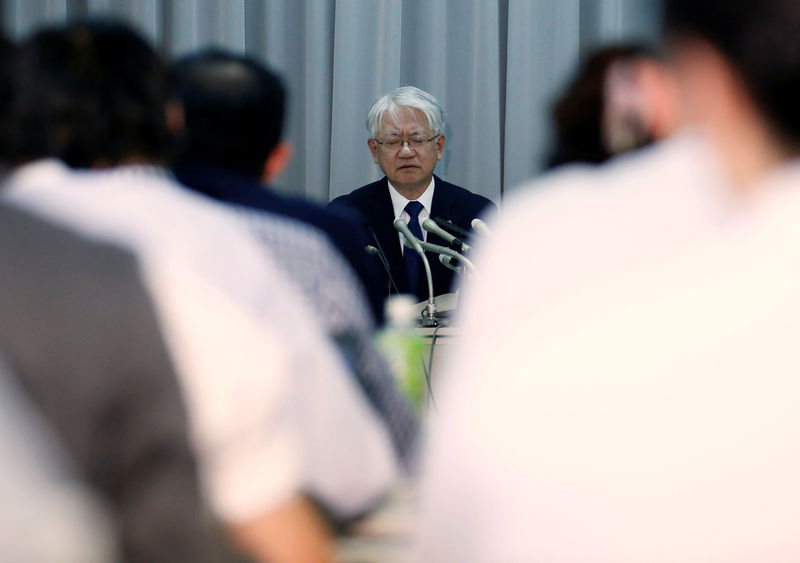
406,128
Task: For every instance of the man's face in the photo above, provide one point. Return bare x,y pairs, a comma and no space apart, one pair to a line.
409,168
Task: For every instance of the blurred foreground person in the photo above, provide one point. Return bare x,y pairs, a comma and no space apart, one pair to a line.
47,513
641,404
622,98
274,416
231,148
78,332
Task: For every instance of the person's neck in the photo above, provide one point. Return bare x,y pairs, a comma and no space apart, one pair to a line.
412,192
748,144
750,150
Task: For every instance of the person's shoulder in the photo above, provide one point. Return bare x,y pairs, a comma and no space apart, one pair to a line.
34,231
633,182
343,215
302,237
454,192
302,209
337,222
360,197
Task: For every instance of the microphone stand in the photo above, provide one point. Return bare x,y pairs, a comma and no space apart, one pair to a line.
429,315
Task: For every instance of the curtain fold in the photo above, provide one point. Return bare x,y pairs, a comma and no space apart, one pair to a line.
496,66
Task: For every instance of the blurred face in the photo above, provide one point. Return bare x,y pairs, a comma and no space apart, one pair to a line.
408,165
640,104
715,100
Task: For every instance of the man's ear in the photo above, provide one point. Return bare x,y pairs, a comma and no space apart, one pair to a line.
176,119
440,146
373,148
277,161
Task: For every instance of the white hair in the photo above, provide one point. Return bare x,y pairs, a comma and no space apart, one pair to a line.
410,97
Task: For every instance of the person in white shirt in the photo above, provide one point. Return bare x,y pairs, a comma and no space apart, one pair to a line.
273,413
636,398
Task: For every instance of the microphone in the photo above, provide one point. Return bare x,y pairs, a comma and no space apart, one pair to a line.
378,251
447,262
451,228
443,250
481,228
414,243
431,226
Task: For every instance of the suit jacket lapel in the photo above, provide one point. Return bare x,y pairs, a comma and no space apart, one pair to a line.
441,206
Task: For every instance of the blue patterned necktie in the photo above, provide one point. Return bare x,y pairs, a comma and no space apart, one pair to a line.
413,260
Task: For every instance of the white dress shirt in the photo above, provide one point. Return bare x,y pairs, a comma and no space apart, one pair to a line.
637,399
335,295
272,408
399,202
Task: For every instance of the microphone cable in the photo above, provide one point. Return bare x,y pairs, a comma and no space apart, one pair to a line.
428,370
383,259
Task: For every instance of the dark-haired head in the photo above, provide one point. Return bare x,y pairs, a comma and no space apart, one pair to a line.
89,93
233,110
760,41
578,113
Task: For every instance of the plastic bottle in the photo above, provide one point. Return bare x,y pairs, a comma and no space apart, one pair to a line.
404,349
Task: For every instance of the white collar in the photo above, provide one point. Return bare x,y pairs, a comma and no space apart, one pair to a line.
51,171
399,201
45,171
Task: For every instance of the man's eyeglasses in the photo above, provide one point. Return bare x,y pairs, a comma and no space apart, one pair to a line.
413,142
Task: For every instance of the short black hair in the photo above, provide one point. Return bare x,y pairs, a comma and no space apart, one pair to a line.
233,110
761,40
87,92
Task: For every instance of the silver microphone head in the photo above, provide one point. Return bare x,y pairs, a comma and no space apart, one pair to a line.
410,240
481,228
431,226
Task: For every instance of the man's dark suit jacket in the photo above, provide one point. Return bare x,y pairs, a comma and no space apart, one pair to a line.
450,202
342,228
